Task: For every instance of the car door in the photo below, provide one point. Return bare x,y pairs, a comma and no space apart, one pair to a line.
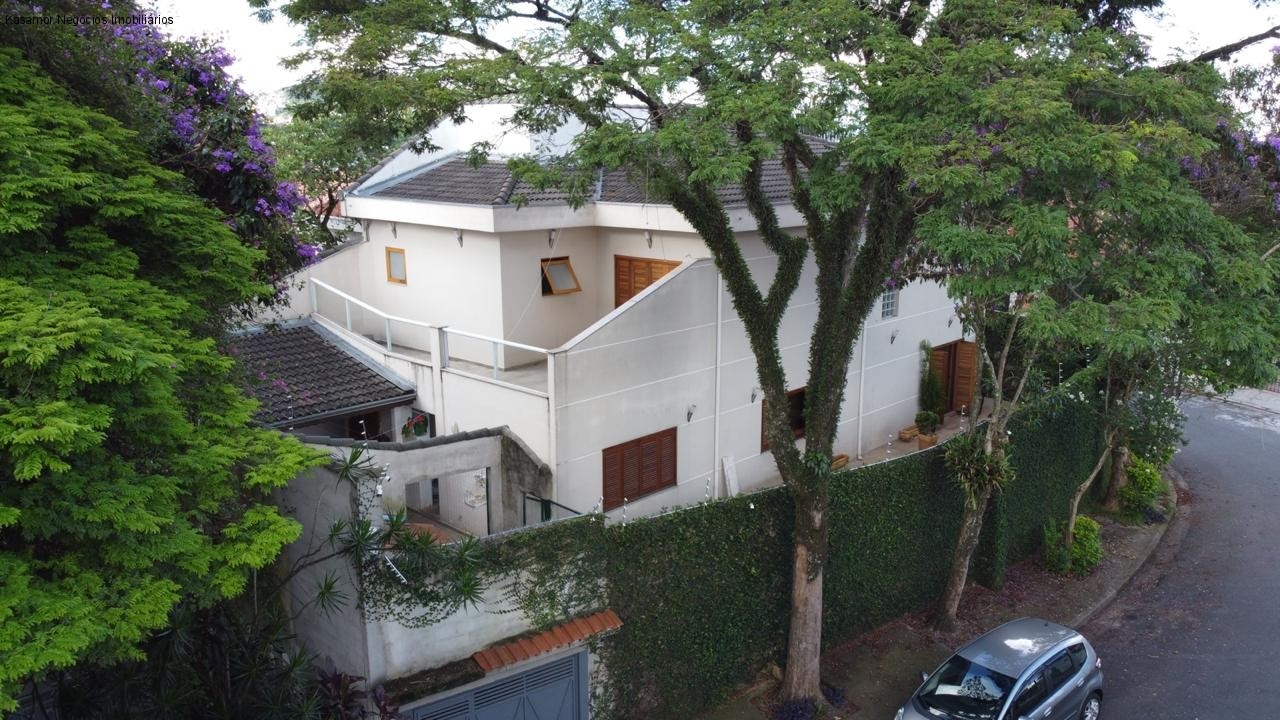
1031,701
1064,694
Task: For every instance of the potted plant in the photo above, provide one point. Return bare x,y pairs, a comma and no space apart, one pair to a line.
416,426
927,422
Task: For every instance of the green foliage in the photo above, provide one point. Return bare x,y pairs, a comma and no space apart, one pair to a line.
1145,487
975,469
1086,545
130,477
1056,556
931,394
927,422
1052,449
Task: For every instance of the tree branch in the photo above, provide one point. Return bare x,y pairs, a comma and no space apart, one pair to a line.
1228,50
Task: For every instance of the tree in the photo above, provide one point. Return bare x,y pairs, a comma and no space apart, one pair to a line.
1065,217
131,478
323,154
918,105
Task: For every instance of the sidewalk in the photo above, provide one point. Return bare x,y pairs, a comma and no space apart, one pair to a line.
1265,400
880,669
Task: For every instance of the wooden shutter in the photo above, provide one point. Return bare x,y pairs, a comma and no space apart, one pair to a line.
639,467
966,375
633,274
941,366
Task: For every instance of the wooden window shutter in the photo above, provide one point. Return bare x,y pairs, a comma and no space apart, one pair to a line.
639,467
966,374
633,274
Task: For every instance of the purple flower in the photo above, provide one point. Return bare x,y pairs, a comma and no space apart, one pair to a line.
996,149
263,208
37,9
308,252
159,84
1253,161
262,375
253,167
204,77
222,166
222,154
1275,49
280,384
1274,142
106,5
184,124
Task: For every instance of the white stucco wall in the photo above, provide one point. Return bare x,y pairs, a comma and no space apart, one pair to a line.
640,371
546,321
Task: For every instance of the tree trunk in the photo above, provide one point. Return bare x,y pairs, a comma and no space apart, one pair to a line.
1120,460
804,640
1069,535
944,618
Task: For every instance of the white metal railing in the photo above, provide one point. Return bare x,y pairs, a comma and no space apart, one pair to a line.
440,355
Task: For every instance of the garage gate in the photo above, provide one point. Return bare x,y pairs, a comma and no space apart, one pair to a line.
554,691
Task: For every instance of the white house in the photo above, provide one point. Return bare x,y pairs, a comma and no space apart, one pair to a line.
602,337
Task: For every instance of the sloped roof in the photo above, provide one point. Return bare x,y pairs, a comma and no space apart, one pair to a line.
563,635
455,180
302,373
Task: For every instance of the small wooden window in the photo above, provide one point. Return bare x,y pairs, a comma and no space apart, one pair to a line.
396,271
558,277
639,467
795,417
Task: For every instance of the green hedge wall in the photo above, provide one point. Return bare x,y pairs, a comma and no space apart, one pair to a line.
893,527
704,592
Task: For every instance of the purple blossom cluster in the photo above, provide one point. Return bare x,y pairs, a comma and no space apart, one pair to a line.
216,130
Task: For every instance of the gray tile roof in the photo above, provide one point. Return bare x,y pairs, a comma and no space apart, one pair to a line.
302,373
454,180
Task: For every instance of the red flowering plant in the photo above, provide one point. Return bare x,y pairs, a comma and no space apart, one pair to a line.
415,427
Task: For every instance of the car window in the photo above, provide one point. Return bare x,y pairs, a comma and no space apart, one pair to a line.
1033,693
965,689
1059,670
1078,654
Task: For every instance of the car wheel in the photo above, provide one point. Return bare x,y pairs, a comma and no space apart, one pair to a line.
1092,708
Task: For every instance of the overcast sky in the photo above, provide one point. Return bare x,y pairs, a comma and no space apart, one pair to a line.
1186,27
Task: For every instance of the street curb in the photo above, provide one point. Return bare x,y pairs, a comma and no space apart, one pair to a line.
1174,480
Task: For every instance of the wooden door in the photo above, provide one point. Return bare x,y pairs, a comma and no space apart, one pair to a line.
941,366
633,274
964,376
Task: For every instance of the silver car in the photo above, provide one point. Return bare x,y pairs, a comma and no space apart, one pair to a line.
1024,670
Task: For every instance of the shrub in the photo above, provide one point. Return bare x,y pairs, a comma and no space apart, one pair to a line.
927,422
1086,546
1144,488
1056,557
836,696
804,709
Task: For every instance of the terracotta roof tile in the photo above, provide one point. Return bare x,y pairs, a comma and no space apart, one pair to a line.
565,634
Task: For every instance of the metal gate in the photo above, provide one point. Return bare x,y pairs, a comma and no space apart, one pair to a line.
555,691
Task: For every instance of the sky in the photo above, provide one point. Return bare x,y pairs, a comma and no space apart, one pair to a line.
1185,28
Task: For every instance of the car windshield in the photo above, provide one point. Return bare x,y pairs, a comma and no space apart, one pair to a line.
967,690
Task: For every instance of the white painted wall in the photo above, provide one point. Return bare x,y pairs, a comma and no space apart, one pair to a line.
641,369
471,404
546,321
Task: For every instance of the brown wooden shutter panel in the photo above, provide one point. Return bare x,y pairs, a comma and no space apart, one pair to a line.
612,477
639,467
966,374
631,275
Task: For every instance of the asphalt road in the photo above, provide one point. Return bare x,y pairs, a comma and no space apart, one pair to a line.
1196,634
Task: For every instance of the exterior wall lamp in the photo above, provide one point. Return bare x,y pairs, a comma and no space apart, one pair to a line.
458,234
648,239
893,336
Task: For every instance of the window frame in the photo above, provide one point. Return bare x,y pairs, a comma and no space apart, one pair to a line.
889,304
796,432
404,264
548,286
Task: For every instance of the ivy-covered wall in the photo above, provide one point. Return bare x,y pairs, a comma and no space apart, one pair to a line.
703,592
